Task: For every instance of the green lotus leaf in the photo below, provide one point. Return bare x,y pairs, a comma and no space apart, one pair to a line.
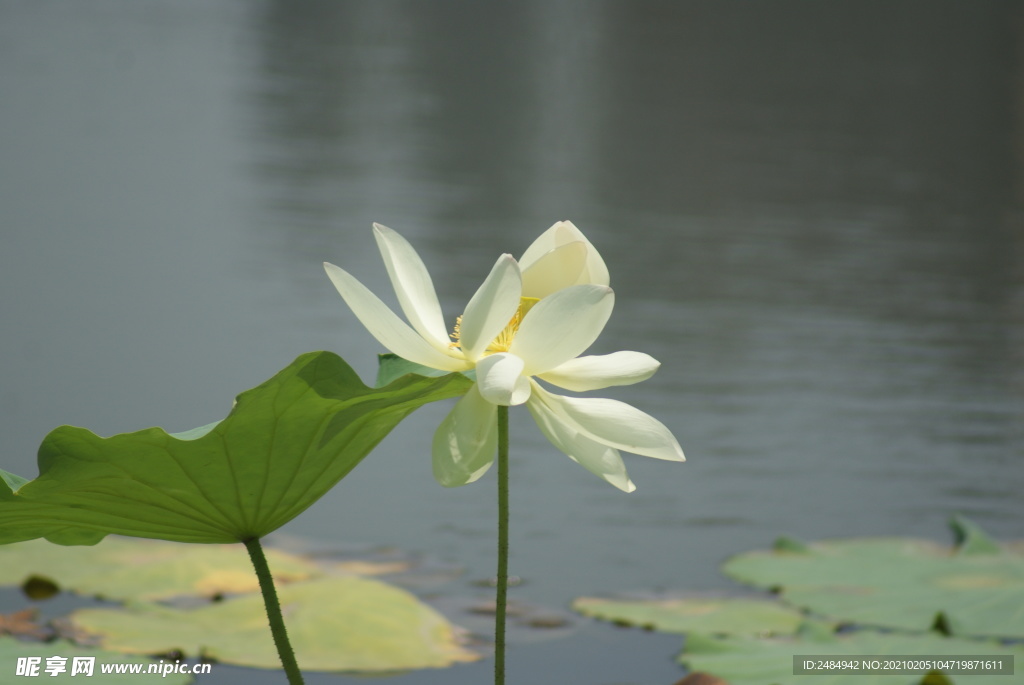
745,660
284,444
391,367
734,616
126,568
973,588
335,624
11,650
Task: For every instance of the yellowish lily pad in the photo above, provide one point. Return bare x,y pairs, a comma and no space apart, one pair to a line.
335,624
372,568
707,615
121,569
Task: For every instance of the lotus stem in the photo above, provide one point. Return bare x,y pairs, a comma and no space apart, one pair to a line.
277,629
501,598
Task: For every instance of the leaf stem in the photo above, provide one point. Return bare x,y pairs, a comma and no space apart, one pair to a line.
501,598
277,629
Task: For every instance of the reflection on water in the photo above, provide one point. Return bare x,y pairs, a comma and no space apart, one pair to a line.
810,212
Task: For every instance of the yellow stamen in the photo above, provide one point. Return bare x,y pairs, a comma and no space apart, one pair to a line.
503,342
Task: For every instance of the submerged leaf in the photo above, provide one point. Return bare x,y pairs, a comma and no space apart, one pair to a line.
23,624
284,444
335,624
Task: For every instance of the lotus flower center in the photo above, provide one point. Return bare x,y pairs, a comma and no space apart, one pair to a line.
503,342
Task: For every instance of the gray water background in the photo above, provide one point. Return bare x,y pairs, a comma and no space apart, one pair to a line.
810,211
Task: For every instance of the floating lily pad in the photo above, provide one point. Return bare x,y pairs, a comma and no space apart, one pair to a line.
769,661
12,650
973,588
372,568
718,615
284,444
121,568
335,624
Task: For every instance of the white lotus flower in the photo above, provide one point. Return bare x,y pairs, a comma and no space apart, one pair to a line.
529,320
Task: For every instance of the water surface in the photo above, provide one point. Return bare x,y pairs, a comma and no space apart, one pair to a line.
811,215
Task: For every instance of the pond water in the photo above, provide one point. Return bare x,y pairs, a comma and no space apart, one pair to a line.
811,214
